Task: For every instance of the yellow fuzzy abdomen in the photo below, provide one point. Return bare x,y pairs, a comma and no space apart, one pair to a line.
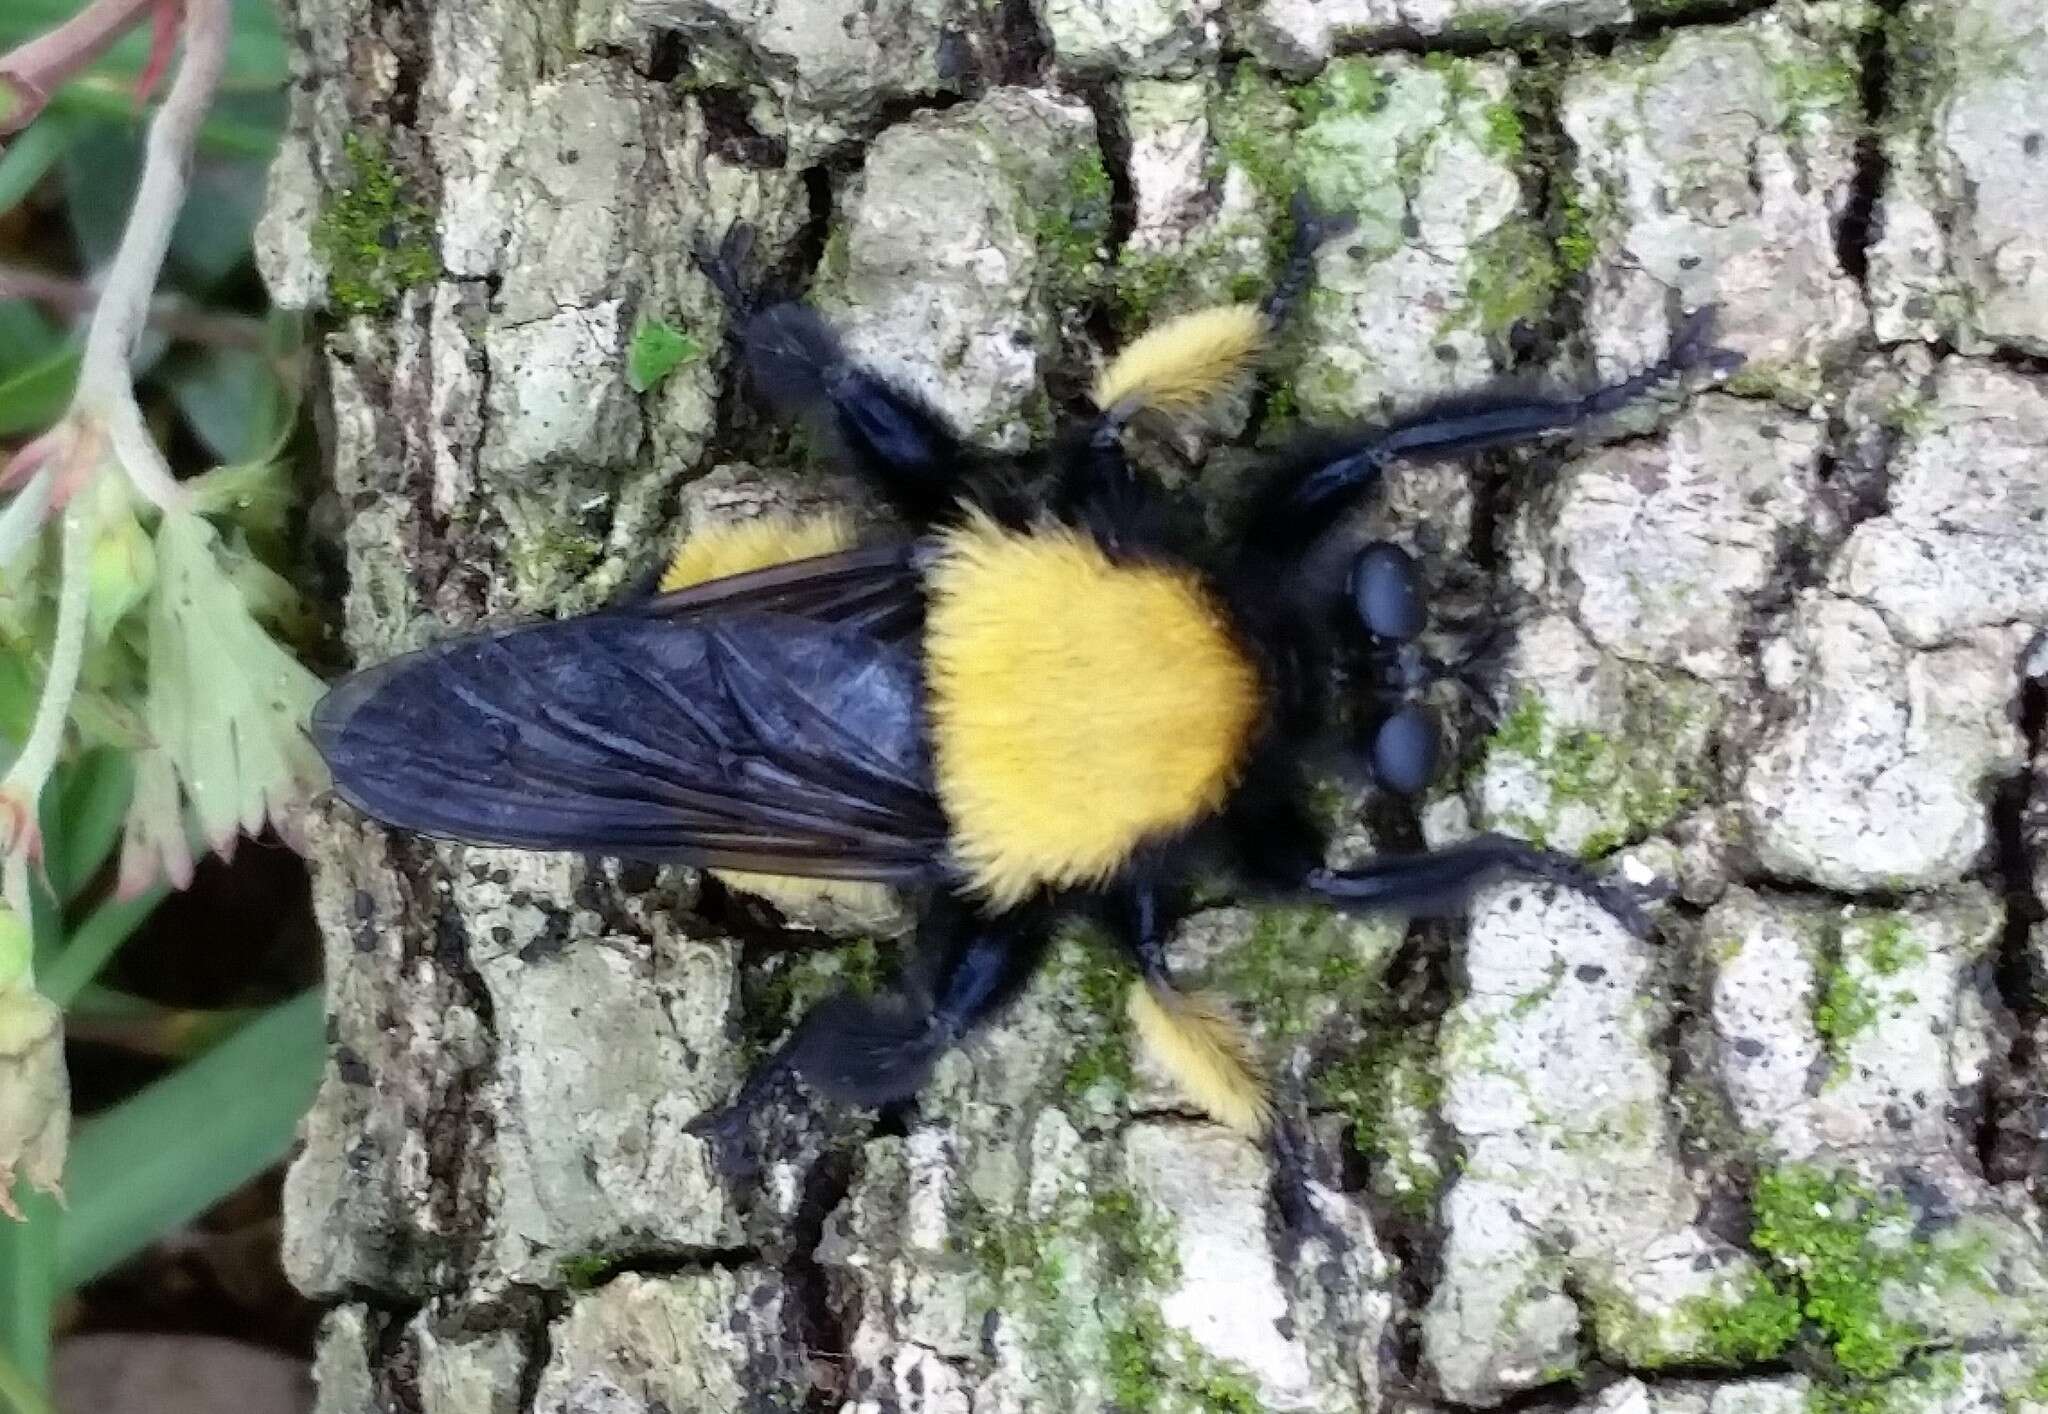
1079,707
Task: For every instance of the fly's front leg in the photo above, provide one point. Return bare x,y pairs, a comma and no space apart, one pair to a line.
1314,228
1328,472
1444,880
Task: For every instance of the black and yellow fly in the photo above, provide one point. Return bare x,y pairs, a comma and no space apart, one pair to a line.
1055,696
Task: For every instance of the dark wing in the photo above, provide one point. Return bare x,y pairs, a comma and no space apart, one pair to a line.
873,588
693,732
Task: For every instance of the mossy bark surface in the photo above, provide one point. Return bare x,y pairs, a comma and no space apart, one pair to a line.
1771,649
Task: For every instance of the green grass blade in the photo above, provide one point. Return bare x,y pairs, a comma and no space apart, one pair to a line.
86,952
19,1392
28,1291
166,1154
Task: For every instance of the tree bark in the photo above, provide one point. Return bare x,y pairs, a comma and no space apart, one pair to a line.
1537,1142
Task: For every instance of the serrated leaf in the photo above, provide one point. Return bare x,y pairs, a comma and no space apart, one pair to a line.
226,709
657,350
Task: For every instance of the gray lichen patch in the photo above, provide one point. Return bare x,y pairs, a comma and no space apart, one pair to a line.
341,1363
1446,258
1874,773
1854,1045
465,1372
1960,253
1017,1266
1298,975
706,1340
1593,752
611,1043
1139,38
1299,36
821,73
1658,549
1205,227
406,1223
1789,1394
575,458
1851,1029
955,240
1557,1094
1963,542
1712,169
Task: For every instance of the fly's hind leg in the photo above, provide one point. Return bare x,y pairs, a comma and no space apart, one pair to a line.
879,1048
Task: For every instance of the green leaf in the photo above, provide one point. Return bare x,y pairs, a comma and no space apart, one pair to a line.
28,1287
233,400
26,337
170,1152
19,688
250,126
656,351
36,396
217,227
29,157
82,813
100,170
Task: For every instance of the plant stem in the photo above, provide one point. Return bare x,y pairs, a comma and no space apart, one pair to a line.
22,786
24,516
106,387
35,70
22,1396
169,314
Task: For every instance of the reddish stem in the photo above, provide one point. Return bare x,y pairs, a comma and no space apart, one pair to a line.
38,68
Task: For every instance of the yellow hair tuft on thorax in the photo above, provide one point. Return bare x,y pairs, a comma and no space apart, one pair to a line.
1191,368
1196,1041
734,547
1079,706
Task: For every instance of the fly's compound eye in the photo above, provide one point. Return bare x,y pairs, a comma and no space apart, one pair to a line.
1406,749
1387,592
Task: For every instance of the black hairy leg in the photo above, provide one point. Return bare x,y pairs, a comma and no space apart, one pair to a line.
963,970
879,1048
1316,484
797,363
1313,229
1443,880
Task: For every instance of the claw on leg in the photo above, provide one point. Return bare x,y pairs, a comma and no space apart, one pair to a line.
724,266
